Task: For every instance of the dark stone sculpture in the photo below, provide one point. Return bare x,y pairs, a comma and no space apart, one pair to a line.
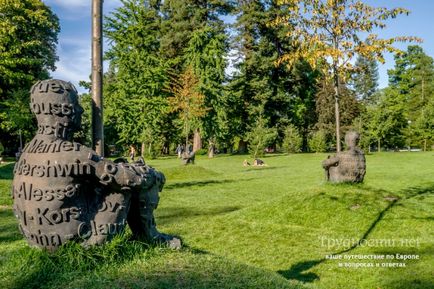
64,191
188,158
348,166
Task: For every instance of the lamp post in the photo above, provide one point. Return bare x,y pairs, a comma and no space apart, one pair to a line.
97,78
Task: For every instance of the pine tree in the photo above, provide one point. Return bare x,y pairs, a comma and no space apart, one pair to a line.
136,99
194,35
413,78
262,88
365,78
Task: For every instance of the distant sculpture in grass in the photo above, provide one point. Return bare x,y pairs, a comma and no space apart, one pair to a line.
63,191
188,155
258,163
347,166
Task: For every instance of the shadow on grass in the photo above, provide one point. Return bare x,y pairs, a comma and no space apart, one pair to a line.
259,168
179,185
298,270
175,213
147,267
40,268
6,171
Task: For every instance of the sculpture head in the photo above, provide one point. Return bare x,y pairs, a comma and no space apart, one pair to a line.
55,104
352,139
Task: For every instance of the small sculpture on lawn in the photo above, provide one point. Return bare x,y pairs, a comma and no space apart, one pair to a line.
347,166
63,191
188,156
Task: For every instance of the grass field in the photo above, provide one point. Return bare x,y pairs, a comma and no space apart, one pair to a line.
246,227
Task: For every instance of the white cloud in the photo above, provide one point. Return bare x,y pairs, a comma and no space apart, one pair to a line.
74,61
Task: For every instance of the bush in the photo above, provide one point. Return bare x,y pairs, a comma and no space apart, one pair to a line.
260,137
318,142
293,141
201,152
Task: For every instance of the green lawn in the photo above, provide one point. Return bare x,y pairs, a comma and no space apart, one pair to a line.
268,227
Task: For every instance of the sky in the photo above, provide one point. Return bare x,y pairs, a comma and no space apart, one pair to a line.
74,45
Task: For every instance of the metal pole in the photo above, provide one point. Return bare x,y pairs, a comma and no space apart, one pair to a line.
97,78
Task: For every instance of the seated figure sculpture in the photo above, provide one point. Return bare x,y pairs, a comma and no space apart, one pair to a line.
63,191
347,166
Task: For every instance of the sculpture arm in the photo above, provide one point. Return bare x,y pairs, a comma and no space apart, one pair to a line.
115,175
330,162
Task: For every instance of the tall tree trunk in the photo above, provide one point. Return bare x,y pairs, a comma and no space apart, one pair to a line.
197,140
337,114
424,145
336,81
242,147
97,71
211,148
379,145
143,150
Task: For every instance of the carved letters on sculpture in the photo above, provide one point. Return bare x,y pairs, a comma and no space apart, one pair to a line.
347,166
64,191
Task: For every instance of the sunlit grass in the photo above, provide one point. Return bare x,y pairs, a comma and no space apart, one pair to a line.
247,227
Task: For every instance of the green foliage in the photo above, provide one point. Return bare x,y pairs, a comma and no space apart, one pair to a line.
135,102
318,141
15,114
386,121
84,136
413,79
260,136
28,38
293,141
424,126
201,152
206,54
365,78
328,34
258,86
2,149
188,101
325,108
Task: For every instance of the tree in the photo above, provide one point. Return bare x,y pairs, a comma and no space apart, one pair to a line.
205,53
385,120
293,141
260,136
28,38
324,107
413,76
194,35
365,78
261,87
424,125
318,141
188,102
181,18
322,30
136,96
413,79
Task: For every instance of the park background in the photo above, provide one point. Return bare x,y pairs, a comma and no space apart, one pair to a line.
243,227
